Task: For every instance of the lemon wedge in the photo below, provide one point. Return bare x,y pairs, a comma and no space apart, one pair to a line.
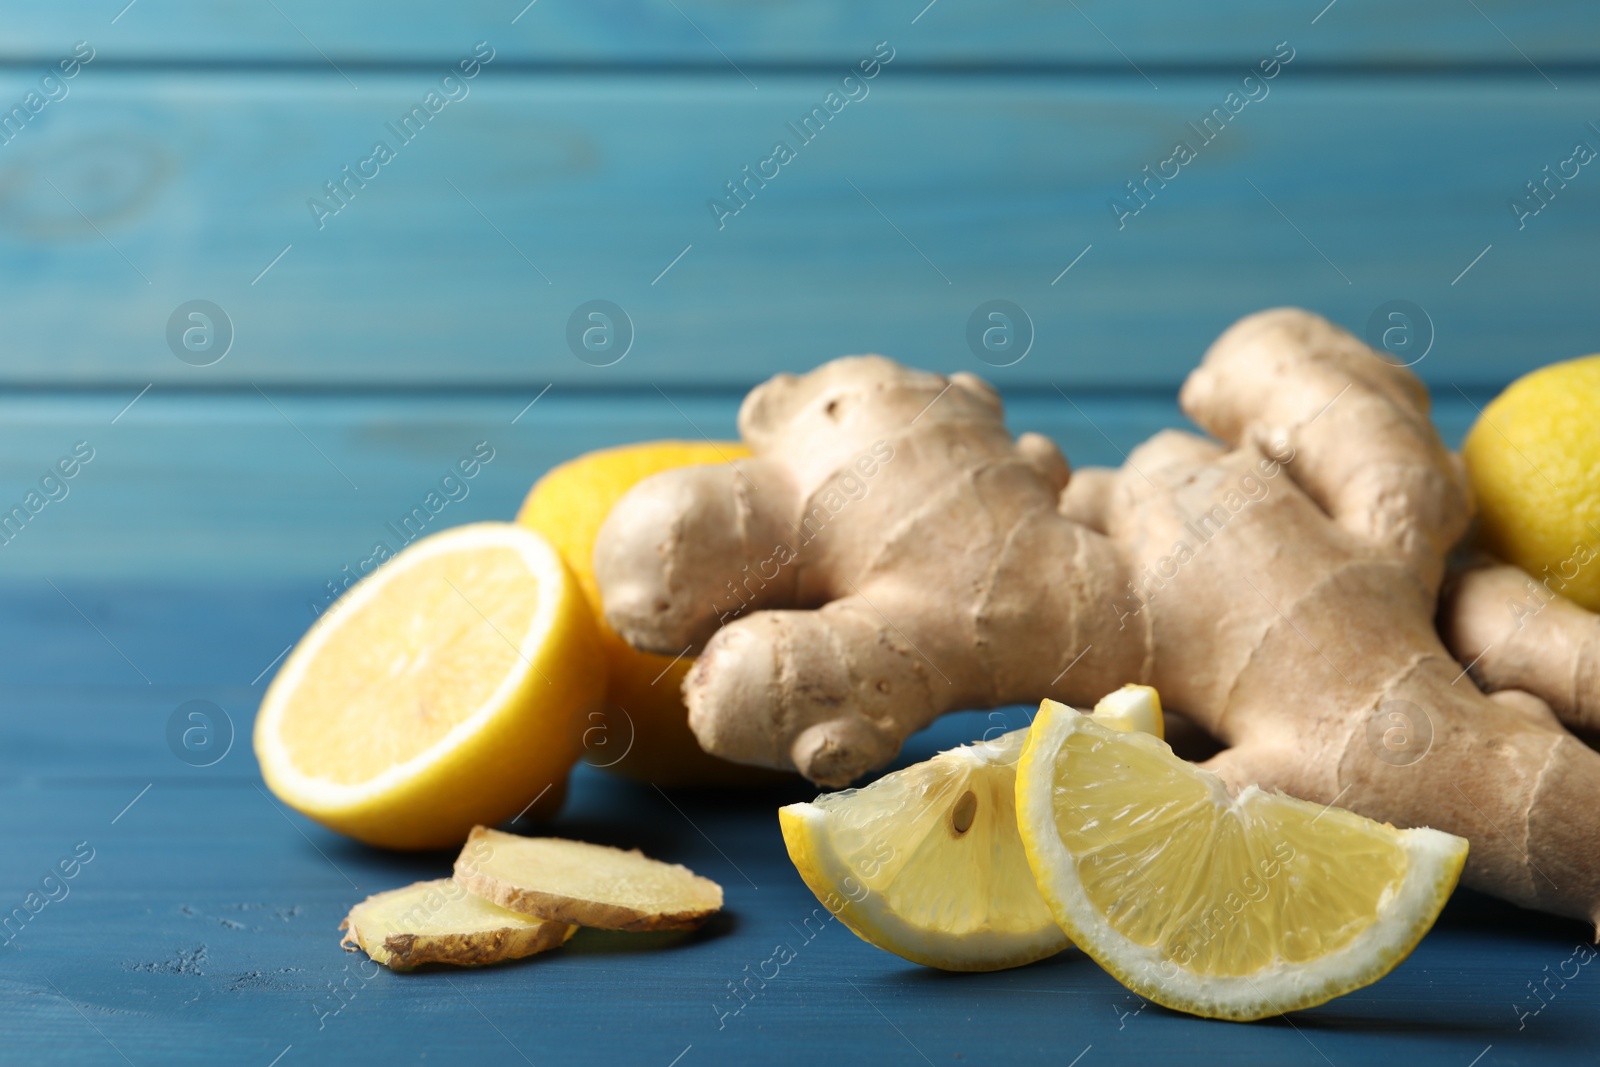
448,688
926,862
1230,907
1133,707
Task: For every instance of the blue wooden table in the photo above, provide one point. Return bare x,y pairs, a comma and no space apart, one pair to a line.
365,321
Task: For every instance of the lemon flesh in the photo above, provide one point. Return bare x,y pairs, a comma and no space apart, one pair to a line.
1226,907
446,689
1533,458
1133,707
926,862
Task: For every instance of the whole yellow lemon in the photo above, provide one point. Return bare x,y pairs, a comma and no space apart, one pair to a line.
644,731
1533,458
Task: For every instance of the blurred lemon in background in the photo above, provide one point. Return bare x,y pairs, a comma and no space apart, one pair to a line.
1533,458
644,731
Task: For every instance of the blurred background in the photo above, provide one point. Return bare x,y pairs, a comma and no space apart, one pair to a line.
269,270
368,317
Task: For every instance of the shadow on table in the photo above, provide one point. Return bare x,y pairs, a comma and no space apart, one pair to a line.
587,942
1473,929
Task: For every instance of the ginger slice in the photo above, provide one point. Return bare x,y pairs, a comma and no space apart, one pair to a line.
441,922
591,885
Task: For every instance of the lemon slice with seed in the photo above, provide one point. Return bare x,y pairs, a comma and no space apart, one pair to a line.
926,862
446,689
1221,906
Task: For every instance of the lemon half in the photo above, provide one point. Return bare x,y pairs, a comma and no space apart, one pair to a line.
446,689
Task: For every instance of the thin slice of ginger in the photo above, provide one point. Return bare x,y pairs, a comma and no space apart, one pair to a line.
590,885
440,922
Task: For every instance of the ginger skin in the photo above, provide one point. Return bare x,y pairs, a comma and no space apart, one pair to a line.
925,584
1520,635
1278,588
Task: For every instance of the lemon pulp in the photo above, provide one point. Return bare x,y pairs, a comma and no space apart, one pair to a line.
1233,907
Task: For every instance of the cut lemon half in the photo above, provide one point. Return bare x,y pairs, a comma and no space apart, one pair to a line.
926,862
447,689
1221,906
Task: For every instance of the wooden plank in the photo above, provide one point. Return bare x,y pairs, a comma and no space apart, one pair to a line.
466,259
233,486
203,931
714,32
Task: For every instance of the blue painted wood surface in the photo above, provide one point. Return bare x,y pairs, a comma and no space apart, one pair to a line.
463,260
713,32
429,312
298,485
203,930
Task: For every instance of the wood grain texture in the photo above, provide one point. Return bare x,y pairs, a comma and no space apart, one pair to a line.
428,314
301,486
204,929
1101,32
464,259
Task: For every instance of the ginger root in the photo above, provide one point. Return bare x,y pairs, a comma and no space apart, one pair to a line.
1519,636
440,922
564,881
889,553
